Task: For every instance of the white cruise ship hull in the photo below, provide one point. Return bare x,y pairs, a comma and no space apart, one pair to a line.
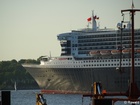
81,79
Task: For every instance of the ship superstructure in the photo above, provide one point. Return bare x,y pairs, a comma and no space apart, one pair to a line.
90,55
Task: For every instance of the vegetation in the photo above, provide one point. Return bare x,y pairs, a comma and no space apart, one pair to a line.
29,61
12,71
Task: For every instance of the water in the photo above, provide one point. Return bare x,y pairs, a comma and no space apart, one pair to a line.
28,97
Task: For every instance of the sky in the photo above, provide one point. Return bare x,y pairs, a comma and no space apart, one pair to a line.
29,28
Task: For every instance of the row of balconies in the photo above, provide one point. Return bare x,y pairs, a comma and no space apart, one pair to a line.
107,39
107,35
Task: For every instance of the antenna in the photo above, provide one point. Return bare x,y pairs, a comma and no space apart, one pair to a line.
132,6
50,54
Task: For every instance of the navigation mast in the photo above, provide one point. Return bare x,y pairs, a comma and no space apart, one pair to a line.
94,23
133,89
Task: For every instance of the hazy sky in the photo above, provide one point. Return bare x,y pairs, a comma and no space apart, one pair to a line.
29,28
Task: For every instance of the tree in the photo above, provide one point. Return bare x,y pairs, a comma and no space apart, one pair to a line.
11,71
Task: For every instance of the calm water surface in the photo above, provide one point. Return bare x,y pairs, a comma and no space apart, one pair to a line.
28,97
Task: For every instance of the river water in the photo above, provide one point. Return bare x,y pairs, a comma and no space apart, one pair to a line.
28,97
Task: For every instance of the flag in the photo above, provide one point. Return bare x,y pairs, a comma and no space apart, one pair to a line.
89,19
95,17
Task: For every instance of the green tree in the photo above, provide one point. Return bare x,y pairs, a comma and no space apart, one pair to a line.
11,71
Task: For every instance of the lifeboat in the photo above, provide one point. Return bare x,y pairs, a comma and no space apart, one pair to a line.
105,52
138,51
115,52
94,53
126,51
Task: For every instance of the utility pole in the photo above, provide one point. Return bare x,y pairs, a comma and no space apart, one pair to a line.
133,89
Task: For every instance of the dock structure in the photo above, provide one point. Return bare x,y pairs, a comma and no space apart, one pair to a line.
133,92
5,97
40,100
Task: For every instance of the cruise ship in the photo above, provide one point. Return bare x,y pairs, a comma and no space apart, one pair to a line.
90,55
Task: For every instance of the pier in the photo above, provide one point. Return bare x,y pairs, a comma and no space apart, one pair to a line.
5,98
